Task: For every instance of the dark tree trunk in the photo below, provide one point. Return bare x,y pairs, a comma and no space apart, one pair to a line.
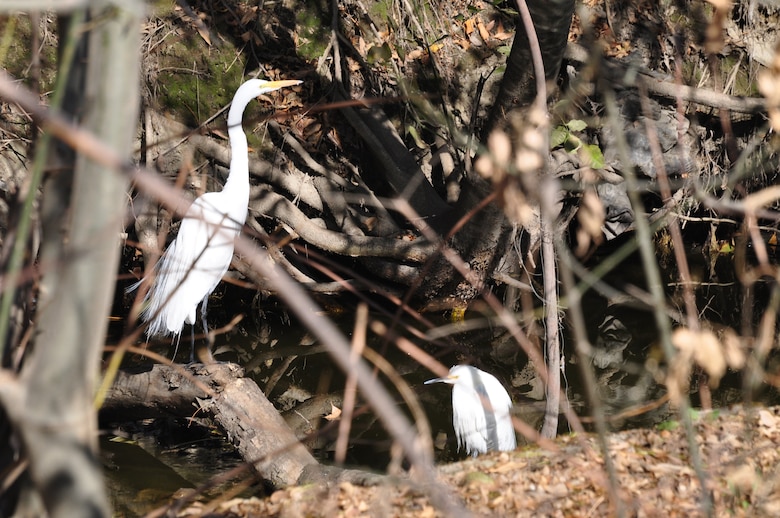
482,241
552,20
479,243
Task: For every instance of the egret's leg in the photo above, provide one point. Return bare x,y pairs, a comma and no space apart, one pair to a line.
176,339
203,315
204,322
192,343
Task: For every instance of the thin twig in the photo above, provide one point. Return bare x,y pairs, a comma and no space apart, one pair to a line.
350,386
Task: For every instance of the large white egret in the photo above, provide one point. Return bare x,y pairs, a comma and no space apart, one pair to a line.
480,410
195,262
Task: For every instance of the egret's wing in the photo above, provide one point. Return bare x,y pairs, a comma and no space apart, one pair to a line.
191,267
503,432
210,254
468,420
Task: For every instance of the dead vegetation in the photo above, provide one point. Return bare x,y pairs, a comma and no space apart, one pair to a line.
739,448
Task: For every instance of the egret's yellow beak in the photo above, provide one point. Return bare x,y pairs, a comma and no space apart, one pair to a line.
448,379
275,85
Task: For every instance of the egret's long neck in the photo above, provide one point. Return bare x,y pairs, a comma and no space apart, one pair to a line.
238,179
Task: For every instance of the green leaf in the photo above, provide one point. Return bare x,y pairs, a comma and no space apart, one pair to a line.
668,425
379,54
576,125
412,131
594,156
558,137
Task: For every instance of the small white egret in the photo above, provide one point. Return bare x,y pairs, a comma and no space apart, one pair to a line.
195,262
480,410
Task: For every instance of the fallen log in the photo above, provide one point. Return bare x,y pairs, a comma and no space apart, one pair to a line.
220,393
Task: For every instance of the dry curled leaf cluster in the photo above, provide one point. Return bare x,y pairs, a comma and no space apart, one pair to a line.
739,449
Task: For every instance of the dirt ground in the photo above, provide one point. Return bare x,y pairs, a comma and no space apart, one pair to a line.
739,449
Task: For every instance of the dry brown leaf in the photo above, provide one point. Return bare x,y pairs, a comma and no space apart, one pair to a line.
508,466
468,26
558,490
721,5
204,32
732,349
714,41
484,166
709,355
462,42
501,34
500,147
248,16
743,478
528,160
769,424
517,207
483,32
591,214
704,348
362,47
665,468
619,50
415,54
335,413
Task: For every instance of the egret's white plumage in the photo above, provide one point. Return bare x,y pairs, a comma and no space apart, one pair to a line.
195,262
480,410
